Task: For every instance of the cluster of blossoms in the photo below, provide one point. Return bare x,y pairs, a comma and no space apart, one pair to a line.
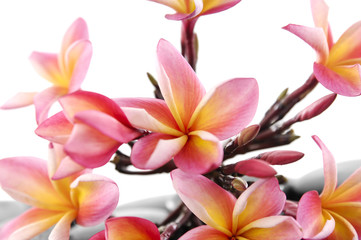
181,132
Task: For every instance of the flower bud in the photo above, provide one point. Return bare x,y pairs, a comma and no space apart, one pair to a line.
281,157
247,134
316,108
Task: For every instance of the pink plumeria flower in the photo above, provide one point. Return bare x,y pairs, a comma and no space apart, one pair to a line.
186,9
338,65
252,216
88,199
91,127
335,213
66,71
189,124
128,228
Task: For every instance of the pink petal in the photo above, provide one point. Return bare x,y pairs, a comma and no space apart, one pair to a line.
349,190
77,62
255,168
347,47
99,236
21,99
274,227
67,168
214,206
343,229
315,37
45,99
320,14
47,66
197,5
218,6
312,218
329,170
262,199
156,113
343,80
179,84
155,150
96,198
62,228
227,109
204,232
26,180
55,129
89,147
131,228
202,153
30,224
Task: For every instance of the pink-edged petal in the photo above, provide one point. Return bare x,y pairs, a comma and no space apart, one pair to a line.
179,84
107,125
343,229
329,170
26,180
315,37
155,150
77,62
347,47
30,224
131,228
62,228
195,5
343,80
204,232
218,6
99,236
263,198
66,168
227,109
255,168
349,190
273,227
213,206
156,108
320,14
84,100
21,99
202,153
45,99
56,129
78,30
47,66
315,222
95,196
89,147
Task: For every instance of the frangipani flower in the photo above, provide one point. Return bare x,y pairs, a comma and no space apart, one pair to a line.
335,214
88,199
189,124
338,65
128,228
91,127
186,9
252,216
66,70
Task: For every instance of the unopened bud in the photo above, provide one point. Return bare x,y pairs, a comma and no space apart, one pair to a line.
316,108
282,95
247,135
239,184
281,157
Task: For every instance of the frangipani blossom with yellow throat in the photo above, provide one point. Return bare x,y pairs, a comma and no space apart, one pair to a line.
128,228
338,64
190,123
252,216
66,71
335,213
89,199
186,9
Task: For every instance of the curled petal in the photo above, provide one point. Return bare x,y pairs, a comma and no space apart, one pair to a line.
204,232
315,37
273,227
349,190
194,8
343,229
252,203
62,227
218,6
316,223
47,65
155,150
21,99
30,224
178,83
255,168
227,109
202,153
320,14
95,197
214,206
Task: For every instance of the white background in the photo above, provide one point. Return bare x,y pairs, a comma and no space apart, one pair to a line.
245,41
